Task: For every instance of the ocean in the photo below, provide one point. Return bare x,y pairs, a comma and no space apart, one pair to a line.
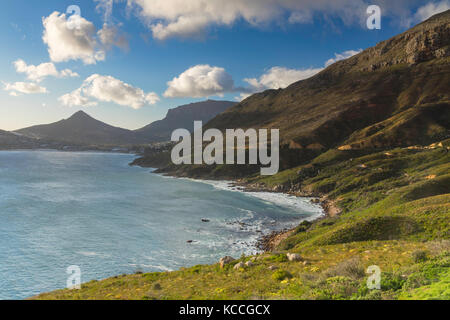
92,210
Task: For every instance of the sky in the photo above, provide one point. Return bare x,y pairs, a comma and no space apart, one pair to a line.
126,62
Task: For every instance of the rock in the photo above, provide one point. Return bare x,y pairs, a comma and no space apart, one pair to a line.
272,268
190,241
225,260
249,264
205,220
306,263
294,257
238,266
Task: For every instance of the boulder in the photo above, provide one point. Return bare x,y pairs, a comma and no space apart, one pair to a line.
294,257
273,268
238,266
225,260
249,264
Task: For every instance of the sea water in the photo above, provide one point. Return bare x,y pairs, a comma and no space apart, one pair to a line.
92,210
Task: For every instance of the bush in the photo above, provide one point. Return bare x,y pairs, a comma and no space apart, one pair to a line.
303,227
419,256
277,258
157,286
351,268
390,281
281,275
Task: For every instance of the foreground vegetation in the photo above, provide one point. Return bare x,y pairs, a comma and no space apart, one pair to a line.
395,214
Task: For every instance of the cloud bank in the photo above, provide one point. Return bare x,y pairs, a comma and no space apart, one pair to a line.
108,89
182,18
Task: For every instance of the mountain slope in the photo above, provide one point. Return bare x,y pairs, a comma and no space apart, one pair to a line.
392,95
184,117
10,140
409,70
82,129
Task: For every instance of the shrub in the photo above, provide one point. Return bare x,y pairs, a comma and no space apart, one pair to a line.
419,256
281,275
277,258
390,281
303,227
157,286
351,268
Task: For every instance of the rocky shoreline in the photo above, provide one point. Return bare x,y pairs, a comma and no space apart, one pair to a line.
269,242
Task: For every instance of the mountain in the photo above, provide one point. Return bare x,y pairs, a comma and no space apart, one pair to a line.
184,117
10,140
81,128
395,94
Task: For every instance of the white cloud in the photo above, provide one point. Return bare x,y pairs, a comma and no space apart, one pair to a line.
204,80
76,38
108,89
70,39
280,77
200,81
76,99
191,18
430,9
23,87
342,56
42,71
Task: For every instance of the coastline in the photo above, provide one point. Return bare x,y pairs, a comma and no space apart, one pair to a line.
269,242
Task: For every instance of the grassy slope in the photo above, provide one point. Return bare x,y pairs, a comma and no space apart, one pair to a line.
396,215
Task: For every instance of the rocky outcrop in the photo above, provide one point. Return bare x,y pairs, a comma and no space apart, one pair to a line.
226,260
239,266
294,257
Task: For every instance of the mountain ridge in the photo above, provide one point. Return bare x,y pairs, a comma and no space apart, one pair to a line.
81,128
184,117
394,94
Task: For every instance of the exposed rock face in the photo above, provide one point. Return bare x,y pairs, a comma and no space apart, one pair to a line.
427,45
225,260
427,41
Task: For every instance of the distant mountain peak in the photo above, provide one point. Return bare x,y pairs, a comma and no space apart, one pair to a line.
80,115
184,117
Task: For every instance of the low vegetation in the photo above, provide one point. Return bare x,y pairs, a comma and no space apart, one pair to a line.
395,214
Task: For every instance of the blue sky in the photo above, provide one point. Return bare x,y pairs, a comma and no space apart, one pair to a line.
207,46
